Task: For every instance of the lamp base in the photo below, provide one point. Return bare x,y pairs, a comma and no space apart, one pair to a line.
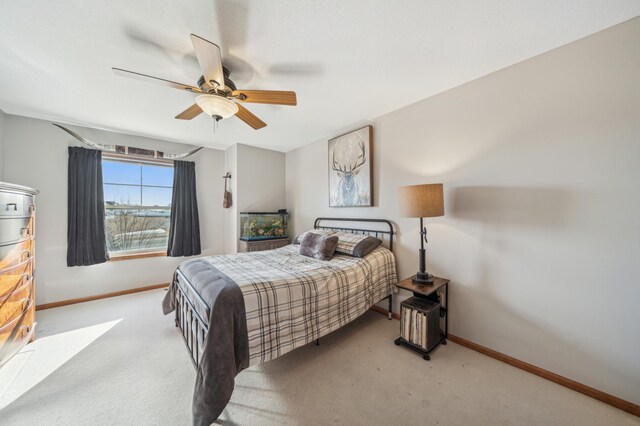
422,278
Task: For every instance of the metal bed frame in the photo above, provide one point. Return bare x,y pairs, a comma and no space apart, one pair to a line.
191,325
373,232
194,329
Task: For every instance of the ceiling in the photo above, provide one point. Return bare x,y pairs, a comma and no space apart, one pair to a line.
348,61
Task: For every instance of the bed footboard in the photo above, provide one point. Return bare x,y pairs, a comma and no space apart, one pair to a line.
194,330
192,327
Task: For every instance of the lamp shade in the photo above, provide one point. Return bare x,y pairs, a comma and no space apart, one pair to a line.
215,105
422,200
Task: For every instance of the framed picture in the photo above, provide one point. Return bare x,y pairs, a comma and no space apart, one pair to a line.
351,169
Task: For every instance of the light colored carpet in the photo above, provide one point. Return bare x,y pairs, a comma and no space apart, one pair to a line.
120,361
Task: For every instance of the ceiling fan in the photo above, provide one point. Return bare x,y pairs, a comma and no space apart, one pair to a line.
218,96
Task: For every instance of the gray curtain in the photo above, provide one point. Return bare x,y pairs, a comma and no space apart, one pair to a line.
184,234
86,241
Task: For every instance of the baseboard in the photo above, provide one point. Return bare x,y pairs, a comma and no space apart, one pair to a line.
98,297
614,401
384,311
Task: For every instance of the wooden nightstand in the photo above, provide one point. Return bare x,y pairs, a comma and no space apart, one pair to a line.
427,301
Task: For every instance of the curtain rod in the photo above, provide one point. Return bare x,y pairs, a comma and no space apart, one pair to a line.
136,158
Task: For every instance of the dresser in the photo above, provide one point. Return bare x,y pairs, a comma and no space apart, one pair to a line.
17,268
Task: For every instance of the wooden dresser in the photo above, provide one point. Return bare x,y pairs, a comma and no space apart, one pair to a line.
17,268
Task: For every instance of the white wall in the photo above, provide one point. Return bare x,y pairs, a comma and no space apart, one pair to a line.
541,238
261,179
2,125
231,214
35,155
258,177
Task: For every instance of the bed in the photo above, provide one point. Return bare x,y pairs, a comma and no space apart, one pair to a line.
239,310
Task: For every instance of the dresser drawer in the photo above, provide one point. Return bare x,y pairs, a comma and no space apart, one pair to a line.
14,229
14,279
11,278
14,254
13,304
17,333
15,204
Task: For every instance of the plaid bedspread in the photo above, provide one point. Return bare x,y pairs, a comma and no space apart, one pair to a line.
291,300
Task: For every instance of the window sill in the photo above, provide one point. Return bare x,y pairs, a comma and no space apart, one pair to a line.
131,256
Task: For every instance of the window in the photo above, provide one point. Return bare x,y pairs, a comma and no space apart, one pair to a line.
137,198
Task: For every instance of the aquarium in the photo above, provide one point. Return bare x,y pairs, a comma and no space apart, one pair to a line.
263,225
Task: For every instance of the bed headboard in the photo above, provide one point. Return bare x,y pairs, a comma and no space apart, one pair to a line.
382,227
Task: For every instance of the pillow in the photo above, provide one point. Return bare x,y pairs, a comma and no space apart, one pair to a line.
318,246
324,232
356,245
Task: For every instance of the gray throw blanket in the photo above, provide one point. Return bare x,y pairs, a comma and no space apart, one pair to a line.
226,345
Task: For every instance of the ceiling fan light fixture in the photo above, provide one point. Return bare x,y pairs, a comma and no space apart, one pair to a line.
216,106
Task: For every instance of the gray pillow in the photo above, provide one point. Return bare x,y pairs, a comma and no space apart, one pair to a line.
324,232
318,246
356,245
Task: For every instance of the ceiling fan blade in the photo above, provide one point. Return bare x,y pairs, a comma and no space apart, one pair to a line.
248,117
210,59
266,97
189,113
148,78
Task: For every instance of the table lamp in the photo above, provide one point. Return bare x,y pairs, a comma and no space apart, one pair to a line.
422,201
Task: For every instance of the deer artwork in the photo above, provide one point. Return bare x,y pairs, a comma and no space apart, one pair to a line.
348,186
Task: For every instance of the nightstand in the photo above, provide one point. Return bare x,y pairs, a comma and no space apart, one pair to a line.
422,315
